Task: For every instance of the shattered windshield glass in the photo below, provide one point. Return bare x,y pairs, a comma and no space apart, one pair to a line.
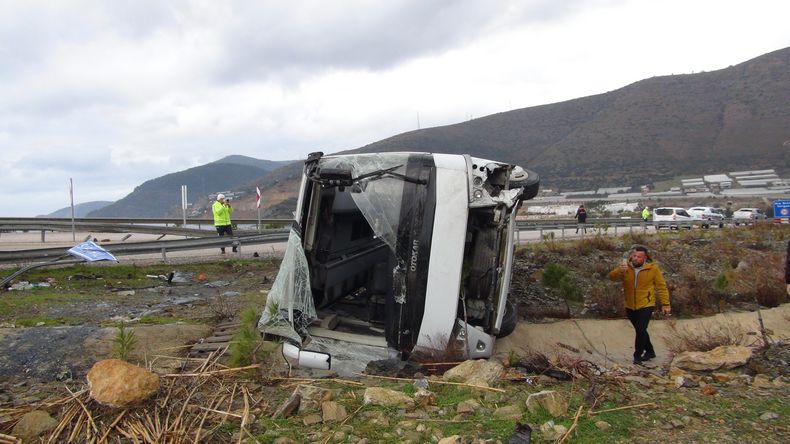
379,193
290,307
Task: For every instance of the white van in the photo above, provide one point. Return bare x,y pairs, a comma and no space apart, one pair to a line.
707,216
672,218
402,252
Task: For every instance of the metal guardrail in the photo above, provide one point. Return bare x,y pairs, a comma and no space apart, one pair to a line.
150,247
128,225
208,238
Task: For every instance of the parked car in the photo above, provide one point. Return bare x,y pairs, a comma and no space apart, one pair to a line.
385,253
707,216
672,218
747,216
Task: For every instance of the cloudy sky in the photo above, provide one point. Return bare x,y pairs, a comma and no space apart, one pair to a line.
113,93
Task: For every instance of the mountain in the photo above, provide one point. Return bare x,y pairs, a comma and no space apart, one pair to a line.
161,197
737,118
266,165
80,210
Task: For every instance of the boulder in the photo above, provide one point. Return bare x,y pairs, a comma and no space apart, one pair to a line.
551,431
117,383
602,425
551,401
333,411
454,439
424,398
508,412
311,397
33,424
468,406
725,356
762,381
387,398
311,419
685,382
475,372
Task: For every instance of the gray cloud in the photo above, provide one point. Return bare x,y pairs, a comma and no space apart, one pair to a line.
363,35
114,93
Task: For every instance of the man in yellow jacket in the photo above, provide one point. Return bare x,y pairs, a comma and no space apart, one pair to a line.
642,282
222,211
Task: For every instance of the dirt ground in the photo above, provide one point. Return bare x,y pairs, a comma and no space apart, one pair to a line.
610,341
50,336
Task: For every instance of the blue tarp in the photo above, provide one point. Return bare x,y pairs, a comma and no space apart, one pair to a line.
91,252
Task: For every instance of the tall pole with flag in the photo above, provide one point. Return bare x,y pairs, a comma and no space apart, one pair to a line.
71,198
258,205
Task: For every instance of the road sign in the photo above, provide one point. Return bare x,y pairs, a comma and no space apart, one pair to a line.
781,209
257,197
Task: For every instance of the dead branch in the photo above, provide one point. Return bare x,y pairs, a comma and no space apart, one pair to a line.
8,439
210,373
636,406
436,382
573,426
221,412
339,381
107,432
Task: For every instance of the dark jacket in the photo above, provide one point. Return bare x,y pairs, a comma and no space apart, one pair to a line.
581,214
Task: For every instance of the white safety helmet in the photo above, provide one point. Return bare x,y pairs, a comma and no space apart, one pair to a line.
220,197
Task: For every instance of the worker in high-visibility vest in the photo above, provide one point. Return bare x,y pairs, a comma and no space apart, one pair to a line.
646,214
222,211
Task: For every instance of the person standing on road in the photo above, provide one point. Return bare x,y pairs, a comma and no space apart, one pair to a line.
646,214
642,281
222,211
581,218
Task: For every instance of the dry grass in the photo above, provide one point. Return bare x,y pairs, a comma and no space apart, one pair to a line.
704,337
222,307
606,301
694,295
188,408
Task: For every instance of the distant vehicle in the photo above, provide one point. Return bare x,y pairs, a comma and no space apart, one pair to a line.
707,216
672,218
747,216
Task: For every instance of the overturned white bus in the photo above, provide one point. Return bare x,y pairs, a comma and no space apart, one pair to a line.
405,252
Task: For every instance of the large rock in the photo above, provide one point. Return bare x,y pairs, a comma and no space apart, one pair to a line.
424,398
551,401
726,357
475,372
468,406
508,412
33,424
387,398
117,383
333,411
311,397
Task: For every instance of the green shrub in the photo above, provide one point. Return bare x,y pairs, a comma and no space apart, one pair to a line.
123,342
570,290
553,275
721,283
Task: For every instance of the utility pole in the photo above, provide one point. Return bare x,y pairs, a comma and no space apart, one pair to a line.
71,198
184,207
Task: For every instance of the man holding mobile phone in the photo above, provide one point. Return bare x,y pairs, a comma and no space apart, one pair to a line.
642,281
222,211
